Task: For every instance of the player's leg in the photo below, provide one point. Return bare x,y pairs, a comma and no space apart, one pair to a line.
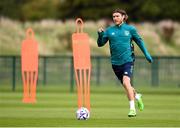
128,70
130,95
139,100
123,72
126,79
128,87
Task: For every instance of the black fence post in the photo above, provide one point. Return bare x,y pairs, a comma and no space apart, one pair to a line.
13,73
98,67
155,72
44,70
71,75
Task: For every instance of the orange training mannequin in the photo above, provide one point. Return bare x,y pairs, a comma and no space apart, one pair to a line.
29,67
82,64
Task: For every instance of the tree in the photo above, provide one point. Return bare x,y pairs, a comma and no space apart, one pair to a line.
138,10
44,9
11,8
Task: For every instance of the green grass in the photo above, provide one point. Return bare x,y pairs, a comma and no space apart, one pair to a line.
56,106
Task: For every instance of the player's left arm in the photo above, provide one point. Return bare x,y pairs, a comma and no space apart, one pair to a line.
141,44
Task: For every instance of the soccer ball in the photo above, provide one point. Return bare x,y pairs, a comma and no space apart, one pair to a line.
82,113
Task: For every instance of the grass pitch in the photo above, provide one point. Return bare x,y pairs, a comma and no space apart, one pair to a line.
56,106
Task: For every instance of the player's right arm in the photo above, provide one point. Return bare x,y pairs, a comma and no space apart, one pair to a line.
102,37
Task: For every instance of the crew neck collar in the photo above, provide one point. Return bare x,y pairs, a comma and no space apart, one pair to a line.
120,24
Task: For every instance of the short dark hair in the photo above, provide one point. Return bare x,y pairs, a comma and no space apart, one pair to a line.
122,12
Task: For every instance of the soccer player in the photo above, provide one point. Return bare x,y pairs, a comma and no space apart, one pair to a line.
120,38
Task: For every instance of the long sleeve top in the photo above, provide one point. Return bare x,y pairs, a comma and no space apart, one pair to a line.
120,38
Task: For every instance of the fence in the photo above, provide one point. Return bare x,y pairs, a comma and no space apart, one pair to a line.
58,70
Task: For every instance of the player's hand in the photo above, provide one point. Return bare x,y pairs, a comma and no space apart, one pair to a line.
149,58
100,30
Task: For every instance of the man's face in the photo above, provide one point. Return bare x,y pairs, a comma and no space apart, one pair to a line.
118,18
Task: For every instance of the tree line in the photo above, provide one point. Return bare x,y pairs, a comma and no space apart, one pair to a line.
138,10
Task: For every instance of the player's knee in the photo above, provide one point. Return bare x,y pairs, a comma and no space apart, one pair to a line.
126,80
126,83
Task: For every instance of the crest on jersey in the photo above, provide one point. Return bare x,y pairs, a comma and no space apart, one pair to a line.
112,33
126,33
